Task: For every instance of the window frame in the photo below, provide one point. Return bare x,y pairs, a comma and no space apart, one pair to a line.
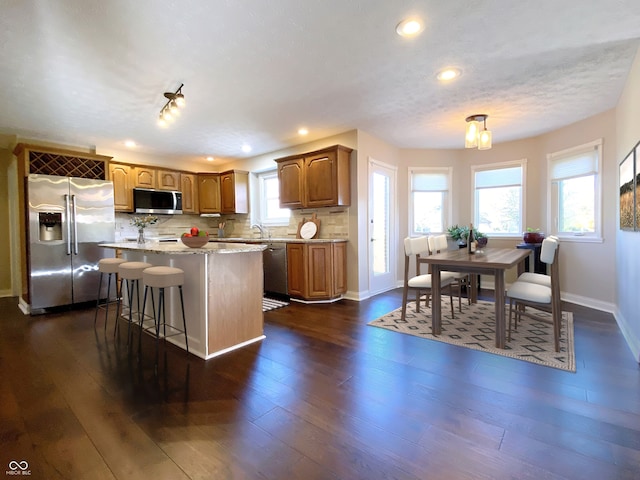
261,203
553,198
522,163
447,204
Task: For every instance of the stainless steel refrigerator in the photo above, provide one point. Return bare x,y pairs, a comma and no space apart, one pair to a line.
68,218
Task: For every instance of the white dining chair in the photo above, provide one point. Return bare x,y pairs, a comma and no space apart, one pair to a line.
437,244
523,294
418,247
538,278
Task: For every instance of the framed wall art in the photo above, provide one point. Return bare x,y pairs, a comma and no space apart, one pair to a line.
628,201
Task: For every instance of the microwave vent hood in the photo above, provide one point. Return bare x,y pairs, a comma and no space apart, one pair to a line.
147,200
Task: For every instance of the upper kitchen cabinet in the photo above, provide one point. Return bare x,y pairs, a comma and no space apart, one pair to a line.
149,177
144,177
209,192
122,177
189,189
168,180
234,191
315,179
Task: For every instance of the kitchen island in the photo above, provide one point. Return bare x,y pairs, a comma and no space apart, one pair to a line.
222,292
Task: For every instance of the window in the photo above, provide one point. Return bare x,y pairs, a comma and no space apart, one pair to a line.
498,201
269,200
429,203
574,188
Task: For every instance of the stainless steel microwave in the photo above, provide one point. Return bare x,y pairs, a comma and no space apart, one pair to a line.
146,200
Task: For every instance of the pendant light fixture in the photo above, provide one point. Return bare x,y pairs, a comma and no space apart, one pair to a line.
171,109
476,136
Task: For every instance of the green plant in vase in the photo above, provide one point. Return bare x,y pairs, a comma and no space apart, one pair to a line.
459,234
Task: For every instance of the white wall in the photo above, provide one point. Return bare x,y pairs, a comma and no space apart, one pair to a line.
590,283
627,243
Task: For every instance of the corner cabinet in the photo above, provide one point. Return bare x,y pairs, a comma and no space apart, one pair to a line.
317,271
122,177
315,179
234,191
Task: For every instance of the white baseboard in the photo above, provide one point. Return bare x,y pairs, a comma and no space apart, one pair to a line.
632,340
24,306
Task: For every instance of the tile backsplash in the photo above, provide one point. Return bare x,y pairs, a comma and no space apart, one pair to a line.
334,223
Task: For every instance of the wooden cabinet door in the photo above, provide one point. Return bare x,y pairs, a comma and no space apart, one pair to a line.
319,270
189,189
227,193
321,180
339,281
121,175
144,177
291,180
168,180
296,270
209,192
234,192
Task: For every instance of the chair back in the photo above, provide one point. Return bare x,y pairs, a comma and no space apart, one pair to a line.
416,246
438,243
548,252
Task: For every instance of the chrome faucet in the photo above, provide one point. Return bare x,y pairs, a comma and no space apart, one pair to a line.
259,227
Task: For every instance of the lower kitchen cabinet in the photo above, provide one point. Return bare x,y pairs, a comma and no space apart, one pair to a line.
316,271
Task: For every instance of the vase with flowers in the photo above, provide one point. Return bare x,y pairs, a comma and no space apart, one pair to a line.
141,223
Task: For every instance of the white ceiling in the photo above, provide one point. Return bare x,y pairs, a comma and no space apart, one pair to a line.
93,72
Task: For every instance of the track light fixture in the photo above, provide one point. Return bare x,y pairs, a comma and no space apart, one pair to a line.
474,136
171,109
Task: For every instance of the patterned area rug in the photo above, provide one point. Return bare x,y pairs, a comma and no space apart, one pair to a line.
272,304
475,328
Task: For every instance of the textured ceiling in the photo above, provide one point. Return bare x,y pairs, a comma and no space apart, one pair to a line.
93,72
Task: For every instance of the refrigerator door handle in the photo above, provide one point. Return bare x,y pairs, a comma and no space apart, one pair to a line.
68,213
75,225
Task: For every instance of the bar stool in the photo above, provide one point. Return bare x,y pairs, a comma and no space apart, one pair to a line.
163,277
110,267
130,274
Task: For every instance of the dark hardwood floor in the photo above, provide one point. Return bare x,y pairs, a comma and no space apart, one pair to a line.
323,397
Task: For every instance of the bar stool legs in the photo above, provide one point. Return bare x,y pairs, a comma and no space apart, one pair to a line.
107,266
162,278
130,274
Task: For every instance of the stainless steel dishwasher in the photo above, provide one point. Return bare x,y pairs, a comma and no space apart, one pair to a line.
275,268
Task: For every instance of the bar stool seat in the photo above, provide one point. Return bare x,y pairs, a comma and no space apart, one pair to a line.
131,275
107,266
162,277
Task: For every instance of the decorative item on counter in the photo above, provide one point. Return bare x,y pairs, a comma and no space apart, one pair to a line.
141,223
309,229
533,235
195,238
221,229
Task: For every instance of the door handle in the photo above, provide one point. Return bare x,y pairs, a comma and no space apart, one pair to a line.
68,222
75,225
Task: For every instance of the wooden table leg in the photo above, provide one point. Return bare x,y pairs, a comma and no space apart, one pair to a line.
473,289
500,316
435,300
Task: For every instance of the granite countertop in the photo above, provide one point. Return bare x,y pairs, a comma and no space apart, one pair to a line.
180,248
276,240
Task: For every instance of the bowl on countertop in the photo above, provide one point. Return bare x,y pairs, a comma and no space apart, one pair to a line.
195,242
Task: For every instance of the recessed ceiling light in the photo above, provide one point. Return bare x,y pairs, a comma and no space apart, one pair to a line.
246,148
303,131
448,74
129,144
209,159
409,27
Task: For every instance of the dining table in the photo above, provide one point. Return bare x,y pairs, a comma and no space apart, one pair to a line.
491,261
